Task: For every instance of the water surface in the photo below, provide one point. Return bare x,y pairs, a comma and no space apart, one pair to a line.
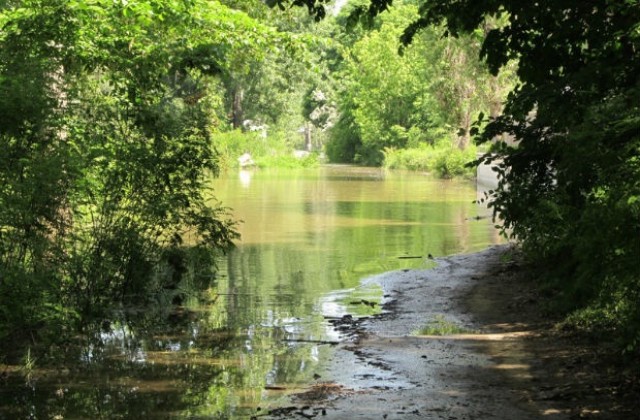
309,238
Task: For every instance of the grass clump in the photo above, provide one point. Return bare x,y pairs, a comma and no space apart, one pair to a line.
441,326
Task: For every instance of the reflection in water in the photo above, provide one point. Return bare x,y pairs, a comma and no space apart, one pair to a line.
245,177
308,239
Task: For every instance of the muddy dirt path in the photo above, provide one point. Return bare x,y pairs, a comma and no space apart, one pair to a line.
503,363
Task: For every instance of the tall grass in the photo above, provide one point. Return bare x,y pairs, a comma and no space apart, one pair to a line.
271,151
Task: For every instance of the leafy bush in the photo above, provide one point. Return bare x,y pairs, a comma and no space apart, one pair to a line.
592,321
455,162
105,160
231,145
445,161
417,159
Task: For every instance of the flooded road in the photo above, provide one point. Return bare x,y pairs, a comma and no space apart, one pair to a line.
261,329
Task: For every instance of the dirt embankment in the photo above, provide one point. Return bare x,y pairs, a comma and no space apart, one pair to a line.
509,362
562,375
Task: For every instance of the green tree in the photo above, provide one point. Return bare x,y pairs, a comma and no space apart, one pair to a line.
379,102
383,94
436,86
569,190
108,116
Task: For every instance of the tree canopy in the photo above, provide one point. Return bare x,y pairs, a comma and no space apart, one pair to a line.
570,188
429,95
113,114
107,116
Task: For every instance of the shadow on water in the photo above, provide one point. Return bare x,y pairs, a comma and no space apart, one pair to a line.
237,343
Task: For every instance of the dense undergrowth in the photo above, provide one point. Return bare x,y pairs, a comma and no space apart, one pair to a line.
264,151
445,162
105,159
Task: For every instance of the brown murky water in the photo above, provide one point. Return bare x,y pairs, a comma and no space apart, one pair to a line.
309,238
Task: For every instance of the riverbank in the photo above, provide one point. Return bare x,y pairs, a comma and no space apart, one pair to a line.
507,362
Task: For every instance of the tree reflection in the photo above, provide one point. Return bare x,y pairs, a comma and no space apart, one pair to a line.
248,325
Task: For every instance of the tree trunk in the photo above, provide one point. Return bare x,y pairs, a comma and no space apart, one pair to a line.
307,137
237,113
464,139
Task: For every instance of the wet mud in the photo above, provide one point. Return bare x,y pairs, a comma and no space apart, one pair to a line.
385,369
503,364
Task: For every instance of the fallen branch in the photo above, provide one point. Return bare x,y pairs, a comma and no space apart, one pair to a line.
293,340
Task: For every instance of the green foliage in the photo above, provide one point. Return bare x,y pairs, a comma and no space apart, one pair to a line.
435,88
445,161
575,172
383,95
266,151
455,162
107,152
288,161
231,145
568,187
592,321
414,159
344,140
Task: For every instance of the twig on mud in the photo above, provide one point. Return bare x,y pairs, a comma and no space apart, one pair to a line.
300,340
